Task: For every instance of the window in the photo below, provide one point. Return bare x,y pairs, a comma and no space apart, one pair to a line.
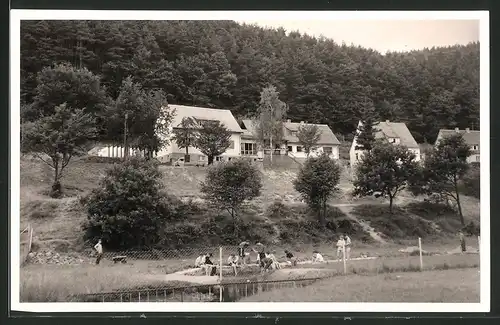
299,149
218,158
290,148
328,150
475,147
249,149
231,145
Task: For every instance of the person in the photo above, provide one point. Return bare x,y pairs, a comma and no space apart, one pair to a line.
233,262
275,264
260,250
290,258
317,257
98,248
347,241
340,247
210,267
241,250
200,260
463,246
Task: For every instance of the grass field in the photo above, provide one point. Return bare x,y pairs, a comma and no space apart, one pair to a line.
57,282
451,286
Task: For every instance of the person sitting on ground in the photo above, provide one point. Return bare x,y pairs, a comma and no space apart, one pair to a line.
340,247
200,260
317,257
275,264
347,241
290,258
233,262
210,267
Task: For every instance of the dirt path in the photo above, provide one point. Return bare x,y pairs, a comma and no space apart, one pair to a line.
347,209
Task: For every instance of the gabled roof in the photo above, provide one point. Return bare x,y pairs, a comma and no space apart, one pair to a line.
399,130
471,137
326,137
202,113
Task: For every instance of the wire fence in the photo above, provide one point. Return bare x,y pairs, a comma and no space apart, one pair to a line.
186,274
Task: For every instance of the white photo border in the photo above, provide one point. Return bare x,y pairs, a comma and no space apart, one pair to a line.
485,275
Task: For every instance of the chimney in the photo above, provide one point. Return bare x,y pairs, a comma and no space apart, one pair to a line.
467,130
457,130
289,121
301,122
386,121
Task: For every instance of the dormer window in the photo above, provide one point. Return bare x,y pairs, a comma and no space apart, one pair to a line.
394,140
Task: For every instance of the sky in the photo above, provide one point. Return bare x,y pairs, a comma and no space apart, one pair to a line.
384,35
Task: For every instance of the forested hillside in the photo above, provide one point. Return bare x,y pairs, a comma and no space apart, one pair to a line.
224,64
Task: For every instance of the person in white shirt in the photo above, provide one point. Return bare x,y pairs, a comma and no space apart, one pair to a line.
233,262
340,247
200,260
98,248
347,241
317,257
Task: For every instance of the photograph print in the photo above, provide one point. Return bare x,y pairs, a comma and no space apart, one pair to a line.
250,160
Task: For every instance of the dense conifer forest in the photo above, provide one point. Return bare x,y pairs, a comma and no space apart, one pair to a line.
224,64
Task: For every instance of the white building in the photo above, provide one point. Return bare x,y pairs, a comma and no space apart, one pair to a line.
393,132
291,145
471,137
172,152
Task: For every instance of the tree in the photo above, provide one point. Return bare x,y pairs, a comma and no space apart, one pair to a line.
78,88
185,134
58,137
386,169
317,181
367,128
271,114
444,167
212,139
309,135
128,210
230,184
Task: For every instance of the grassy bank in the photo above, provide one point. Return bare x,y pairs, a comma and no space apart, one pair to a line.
451,286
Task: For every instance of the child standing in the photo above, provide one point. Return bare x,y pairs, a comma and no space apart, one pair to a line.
98,248
340,247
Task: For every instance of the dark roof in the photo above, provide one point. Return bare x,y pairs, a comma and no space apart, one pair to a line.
471,137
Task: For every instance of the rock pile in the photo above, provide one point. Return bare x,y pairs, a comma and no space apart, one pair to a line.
49,257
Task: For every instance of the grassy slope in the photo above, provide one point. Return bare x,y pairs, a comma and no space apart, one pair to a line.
461,285
58,221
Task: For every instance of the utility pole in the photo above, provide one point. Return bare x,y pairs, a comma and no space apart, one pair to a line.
125,145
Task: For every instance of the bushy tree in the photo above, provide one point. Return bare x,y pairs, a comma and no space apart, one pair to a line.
270,118
57,137
387,169
185,135
128,209
212,139
63,83
309,135
317,181
444,168
228,185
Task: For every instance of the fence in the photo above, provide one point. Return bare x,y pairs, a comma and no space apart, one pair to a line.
26,240
171,275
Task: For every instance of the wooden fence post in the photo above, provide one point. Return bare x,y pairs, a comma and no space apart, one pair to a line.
420,253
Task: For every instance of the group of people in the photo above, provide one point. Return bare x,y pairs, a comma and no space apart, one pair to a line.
266,259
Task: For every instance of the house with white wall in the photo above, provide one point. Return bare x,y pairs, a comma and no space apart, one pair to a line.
172,152
291,145
471,137
392,132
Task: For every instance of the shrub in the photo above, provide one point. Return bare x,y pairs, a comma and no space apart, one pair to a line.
128,210
278,210
471,183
